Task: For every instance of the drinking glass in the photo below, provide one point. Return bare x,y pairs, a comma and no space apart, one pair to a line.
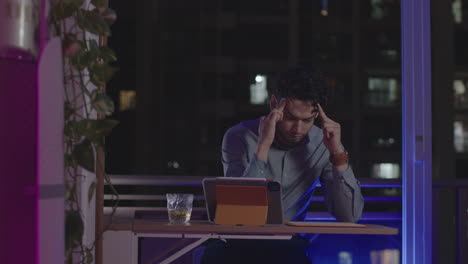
179,207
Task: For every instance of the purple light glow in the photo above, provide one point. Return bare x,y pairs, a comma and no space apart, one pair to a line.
18,110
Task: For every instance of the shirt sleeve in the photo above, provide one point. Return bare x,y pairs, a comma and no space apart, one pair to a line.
342,194
237,162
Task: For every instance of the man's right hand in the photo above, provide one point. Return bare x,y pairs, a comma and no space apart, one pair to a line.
267,129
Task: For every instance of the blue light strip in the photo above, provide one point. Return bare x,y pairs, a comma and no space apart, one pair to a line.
366,216
416,132
366,199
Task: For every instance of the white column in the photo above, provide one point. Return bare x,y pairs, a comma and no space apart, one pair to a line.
50,152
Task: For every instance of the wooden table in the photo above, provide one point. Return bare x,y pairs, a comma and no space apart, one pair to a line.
204,230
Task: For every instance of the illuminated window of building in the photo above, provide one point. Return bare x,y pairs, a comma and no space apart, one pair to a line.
127,100
388,256
460,135
345,257
173,164
377,12
385,171
460,94
384,142
457,11
382,92
389,54
258,90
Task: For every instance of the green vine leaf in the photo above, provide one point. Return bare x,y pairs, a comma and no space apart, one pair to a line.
71,45
81,59
93,45
92,22
69,193
88,56
109,16
73,229
100,3
69,196
75,130
102,103
100,73
69,130
91,191
83,153
64,10
69,161
94,130
76,2
69,111
105,126
88,256
106,54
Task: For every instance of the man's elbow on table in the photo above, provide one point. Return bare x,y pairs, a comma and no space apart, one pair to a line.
348,215
348,218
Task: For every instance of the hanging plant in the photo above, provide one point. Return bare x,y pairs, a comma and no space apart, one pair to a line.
82,25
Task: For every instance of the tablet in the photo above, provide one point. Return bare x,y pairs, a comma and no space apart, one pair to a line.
275,206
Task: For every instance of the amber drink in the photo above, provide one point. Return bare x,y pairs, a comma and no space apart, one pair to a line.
179,207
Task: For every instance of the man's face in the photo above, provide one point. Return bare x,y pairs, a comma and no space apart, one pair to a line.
298,118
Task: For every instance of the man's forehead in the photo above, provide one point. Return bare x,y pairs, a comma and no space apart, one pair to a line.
296,106
296,103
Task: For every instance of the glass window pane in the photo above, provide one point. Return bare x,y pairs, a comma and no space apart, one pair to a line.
449,31
189,70
195,70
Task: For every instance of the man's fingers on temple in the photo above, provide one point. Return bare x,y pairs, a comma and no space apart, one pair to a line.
331,127
272,114
282,105
322,114
278,115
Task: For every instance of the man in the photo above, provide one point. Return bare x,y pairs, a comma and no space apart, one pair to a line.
287,147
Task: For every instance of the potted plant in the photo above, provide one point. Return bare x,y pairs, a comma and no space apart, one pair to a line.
83,27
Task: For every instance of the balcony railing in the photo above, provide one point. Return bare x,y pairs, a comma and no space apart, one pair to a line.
145,195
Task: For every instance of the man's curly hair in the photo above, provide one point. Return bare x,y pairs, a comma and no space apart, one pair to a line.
303,83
